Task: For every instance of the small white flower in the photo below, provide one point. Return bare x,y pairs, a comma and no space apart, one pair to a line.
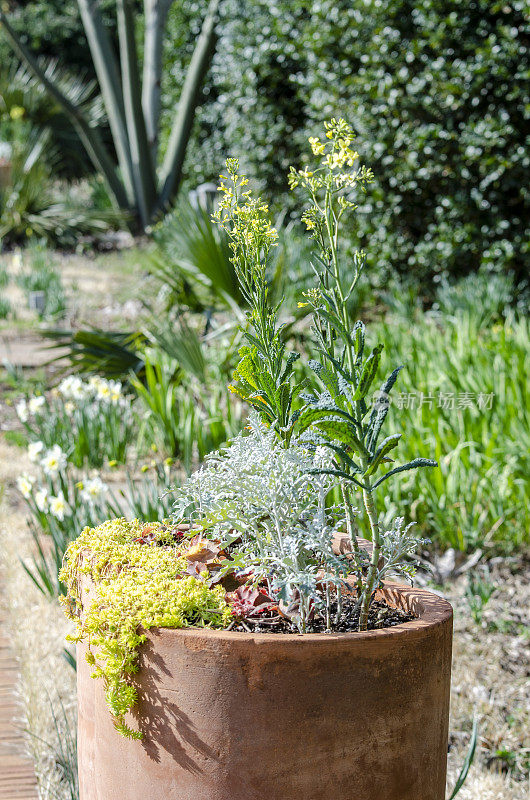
93,489
69,407
35,404
115,392
64,386
94,382
41,499
25,483
54,461
72,388
104,390
58,506
22,410
79,390
34,450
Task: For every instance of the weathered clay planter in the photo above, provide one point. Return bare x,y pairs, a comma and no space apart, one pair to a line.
234,716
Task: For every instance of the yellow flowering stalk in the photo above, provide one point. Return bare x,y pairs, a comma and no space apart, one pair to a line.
263,375
339,415
329,186
336,415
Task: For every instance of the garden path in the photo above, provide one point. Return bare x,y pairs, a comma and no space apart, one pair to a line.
17,775
25,350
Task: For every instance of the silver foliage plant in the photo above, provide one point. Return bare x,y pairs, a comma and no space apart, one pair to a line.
268,498
271,501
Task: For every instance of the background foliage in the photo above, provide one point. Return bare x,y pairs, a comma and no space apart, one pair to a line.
53,30
437,92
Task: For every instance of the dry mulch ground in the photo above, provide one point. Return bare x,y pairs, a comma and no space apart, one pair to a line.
491,677
491,667
36,630
101,292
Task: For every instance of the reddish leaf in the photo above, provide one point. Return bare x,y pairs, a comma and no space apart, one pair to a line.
247,601
147,535
204,550
196,568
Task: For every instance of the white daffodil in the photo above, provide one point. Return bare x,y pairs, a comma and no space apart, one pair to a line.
22,410
34,450
72,388
54,461
93,489
64,386
79,389
94,381
25,484
41,499
69,407
115,392
58,506
35,404
104,390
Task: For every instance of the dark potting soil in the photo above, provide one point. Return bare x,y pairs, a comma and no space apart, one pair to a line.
381,615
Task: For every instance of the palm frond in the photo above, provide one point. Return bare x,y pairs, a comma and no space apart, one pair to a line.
108,353
193,259
183,344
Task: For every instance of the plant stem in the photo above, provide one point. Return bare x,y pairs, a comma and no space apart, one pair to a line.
376,551
353,538
332,231
339,604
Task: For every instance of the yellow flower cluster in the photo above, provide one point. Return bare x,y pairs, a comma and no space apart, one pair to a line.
336,154
310,218
329,183
136,585
318,147
243,217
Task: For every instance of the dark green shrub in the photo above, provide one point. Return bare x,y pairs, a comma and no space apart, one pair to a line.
437,91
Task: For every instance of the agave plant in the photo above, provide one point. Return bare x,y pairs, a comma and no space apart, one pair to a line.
132,103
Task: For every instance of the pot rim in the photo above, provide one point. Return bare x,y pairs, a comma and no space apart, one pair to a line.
432,611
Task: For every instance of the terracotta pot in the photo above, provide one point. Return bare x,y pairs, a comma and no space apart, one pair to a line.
235,716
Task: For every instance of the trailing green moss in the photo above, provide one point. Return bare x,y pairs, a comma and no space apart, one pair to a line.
136,587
